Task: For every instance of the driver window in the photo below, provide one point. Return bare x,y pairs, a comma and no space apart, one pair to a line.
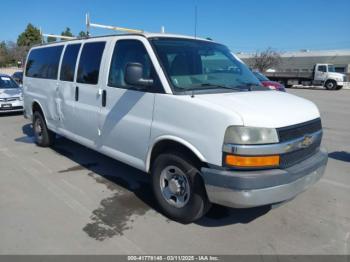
128,51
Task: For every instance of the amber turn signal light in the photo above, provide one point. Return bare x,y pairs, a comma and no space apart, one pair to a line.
252,161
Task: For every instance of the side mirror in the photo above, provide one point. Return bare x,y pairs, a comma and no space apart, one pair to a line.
133,75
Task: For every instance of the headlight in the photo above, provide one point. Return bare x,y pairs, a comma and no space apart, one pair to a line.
250,135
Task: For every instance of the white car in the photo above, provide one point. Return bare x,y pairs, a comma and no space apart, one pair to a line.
181,109
11,97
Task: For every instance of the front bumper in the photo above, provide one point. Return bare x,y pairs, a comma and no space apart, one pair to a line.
16,106
244,189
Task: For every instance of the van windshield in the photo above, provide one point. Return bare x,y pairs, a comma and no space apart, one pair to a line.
202,65
7,83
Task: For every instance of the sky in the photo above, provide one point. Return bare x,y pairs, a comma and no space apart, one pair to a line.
243,25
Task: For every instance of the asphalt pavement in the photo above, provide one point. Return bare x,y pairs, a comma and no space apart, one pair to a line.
71,200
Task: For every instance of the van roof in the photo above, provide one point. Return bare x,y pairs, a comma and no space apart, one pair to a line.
144,34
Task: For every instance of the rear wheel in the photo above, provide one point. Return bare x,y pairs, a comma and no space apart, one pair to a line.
178,188
43,136
331,85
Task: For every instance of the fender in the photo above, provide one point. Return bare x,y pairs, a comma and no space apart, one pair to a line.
175,139
40,105
42,110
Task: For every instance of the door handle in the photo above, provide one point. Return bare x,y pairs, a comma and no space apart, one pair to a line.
76,93
104,98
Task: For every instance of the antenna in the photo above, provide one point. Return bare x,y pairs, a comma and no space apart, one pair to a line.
195,21
115,28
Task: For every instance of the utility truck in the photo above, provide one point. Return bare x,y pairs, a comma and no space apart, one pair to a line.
322,75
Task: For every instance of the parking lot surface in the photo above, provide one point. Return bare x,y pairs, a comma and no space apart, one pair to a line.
70,200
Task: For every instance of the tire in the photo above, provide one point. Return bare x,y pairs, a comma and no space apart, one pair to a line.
331,85
43,136
189,201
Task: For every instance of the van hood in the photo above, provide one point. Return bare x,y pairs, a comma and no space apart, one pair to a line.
10,92
265,108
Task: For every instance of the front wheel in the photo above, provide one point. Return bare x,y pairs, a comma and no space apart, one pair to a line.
331,85
178,188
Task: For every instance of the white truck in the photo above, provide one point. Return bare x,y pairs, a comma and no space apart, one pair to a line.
181,109
322,75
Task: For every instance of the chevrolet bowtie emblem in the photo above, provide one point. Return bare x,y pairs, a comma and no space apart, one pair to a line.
307,141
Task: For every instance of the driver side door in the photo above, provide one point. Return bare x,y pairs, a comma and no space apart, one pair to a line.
126,117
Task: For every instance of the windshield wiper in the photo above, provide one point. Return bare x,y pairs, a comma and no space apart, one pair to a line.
218,86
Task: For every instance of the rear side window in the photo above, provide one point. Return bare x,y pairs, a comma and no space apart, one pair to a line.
43,62
90,61
69,61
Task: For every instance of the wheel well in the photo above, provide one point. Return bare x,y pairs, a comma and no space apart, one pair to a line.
173,146
36,107
330,80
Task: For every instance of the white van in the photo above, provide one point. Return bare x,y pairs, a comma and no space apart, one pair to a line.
182,109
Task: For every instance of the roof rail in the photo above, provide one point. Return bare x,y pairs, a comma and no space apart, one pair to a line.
115,28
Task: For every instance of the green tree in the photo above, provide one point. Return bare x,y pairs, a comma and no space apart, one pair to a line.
3,54
51,39
29,37
82,34
67,32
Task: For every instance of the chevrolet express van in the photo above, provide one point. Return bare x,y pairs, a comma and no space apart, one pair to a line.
184,110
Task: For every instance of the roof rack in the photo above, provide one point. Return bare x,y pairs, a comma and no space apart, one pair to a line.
114,28
89,25
55,36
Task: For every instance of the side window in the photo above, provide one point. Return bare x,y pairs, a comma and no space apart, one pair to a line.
130,51
69,61
43,62
322,68
90,61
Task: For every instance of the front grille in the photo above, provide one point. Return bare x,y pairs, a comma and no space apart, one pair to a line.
292,158
292,132
10,99
298,131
